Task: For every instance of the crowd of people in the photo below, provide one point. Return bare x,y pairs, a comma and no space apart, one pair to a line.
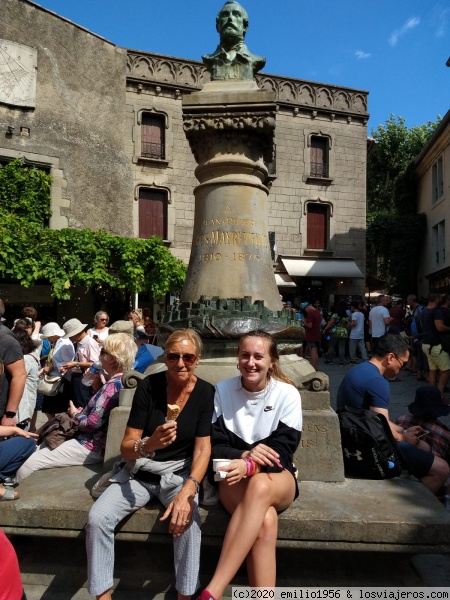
348,332
177,424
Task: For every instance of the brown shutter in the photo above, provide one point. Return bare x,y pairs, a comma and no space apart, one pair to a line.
152,136
152,213
317,227
319,163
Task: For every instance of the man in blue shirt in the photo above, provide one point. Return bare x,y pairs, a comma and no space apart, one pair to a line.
366,386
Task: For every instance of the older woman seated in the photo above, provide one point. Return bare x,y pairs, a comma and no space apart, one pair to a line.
88,445
167,446
257,426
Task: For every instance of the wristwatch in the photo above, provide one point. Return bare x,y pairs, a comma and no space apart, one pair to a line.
9,414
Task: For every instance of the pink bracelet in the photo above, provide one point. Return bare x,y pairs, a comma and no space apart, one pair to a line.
250,465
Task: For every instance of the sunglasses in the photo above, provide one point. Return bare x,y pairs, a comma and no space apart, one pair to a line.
188,359
103,352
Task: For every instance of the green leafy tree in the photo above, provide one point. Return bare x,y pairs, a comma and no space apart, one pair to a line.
389,163
393,225
66,258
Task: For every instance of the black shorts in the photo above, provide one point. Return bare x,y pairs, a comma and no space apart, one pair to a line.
417,460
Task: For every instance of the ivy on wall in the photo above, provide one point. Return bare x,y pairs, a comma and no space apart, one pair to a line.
65,258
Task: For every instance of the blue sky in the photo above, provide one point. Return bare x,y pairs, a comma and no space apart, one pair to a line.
395,49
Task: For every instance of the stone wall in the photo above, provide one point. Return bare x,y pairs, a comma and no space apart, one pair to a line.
77,126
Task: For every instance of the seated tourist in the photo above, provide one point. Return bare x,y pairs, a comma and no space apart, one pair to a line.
424,412
61,351
257,425
14,451
366,386
167,460
88,445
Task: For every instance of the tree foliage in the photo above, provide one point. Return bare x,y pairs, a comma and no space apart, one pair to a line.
68,257
394,229
389,172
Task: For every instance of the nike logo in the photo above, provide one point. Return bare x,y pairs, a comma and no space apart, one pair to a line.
267,408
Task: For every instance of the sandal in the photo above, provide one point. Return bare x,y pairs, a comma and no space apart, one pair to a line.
9,494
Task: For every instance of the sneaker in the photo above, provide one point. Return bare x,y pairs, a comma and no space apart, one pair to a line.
205,595
209,495
328,362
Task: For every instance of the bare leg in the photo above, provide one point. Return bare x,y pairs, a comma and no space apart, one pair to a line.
251,499
443,380
432,378
261,560
314,357
105,596
437,475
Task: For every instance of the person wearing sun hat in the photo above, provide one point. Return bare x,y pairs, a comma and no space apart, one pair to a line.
87,352
61,351
425,412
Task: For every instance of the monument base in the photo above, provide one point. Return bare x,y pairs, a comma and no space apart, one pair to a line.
221,319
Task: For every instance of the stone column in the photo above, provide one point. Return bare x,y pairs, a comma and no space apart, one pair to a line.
230,128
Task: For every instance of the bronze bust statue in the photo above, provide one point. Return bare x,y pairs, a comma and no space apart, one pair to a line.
232,59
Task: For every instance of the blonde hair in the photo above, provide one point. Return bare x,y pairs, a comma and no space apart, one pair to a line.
274,371
122,348
185,334
137,312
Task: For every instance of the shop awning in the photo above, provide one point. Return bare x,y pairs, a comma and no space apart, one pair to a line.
321,267
283,280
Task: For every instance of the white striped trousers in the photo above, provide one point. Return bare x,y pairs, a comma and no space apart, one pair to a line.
120,500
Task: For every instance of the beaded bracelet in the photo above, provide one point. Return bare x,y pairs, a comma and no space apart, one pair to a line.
139,448
250,466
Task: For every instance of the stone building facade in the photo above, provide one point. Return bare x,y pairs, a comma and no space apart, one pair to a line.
433,169
107,123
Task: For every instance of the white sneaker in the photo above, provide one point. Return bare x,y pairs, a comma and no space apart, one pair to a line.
210,495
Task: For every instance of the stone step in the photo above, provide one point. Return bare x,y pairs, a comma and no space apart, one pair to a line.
55,569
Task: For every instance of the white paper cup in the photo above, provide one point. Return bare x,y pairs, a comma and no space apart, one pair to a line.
220,462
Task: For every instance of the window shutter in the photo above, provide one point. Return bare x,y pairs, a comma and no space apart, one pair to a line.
152,213
152,136
317,227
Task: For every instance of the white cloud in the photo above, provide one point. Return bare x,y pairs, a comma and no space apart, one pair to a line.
360,54
442,22
398,33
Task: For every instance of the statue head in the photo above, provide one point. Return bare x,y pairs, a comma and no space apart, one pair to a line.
232,23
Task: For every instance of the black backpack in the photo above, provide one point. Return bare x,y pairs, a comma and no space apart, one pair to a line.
368,446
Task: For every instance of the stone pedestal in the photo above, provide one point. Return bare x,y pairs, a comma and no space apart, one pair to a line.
230,128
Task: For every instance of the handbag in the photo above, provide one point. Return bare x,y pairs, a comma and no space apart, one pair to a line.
57,430
50,385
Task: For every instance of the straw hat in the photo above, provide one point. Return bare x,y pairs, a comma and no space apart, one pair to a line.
72,327
52,329
122,327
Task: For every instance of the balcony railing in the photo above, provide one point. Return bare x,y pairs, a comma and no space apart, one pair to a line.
151,150
319,170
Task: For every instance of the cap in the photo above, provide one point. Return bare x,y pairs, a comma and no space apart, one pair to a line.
303,305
